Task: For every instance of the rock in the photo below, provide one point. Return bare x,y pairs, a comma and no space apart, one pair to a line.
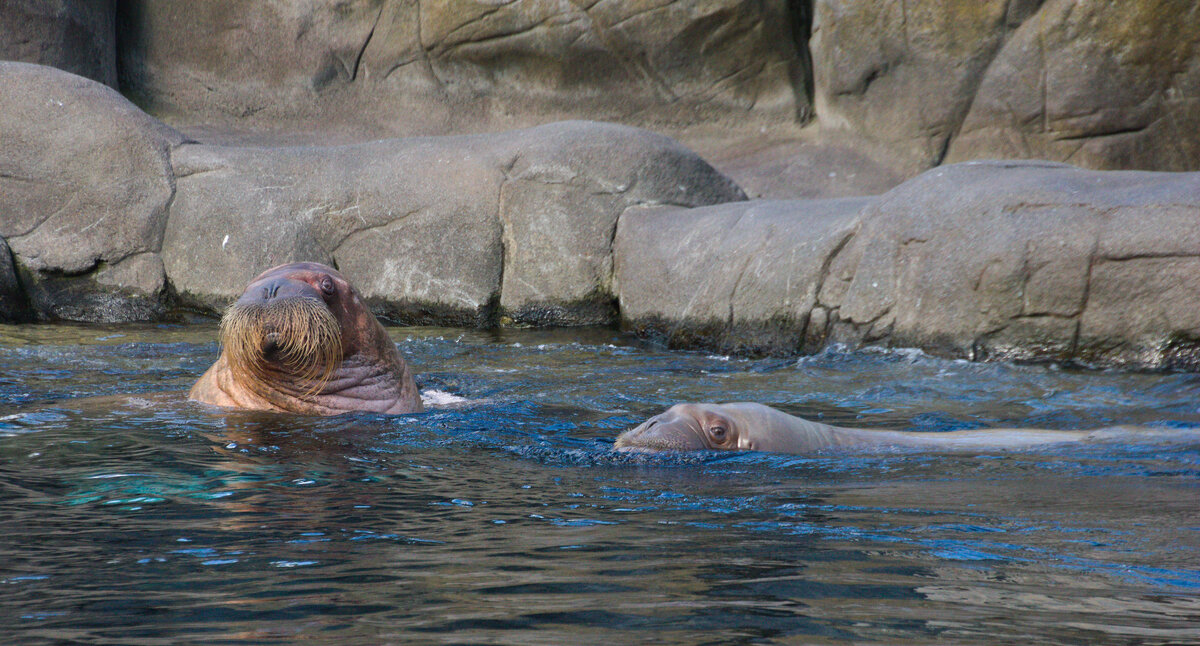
815,164
412,223
76,36
104,204
1098,84
1026,260
905,71
438,229
741,277
981,260
14,306
85,183
401,67
559,206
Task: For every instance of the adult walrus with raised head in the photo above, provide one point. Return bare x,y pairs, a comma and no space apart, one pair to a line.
745,426
301,340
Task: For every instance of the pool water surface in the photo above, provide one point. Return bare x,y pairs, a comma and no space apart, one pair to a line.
507,518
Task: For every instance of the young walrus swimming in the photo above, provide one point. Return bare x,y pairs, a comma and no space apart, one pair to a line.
745,426
301,340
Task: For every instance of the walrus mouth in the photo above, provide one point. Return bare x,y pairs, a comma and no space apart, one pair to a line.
299,336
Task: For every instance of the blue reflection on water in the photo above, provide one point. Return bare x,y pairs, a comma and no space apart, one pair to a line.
511,513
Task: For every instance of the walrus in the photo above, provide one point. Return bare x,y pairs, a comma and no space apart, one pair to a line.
747,426
301,340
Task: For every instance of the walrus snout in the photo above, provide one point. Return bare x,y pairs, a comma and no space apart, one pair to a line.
658,434
280,327
273,290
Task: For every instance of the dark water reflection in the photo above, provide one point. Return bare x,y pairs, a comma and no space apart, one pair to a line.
506,519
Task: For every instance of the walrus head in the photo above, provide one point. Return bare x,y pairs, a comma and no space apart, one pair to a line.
684,427
282,326
300,339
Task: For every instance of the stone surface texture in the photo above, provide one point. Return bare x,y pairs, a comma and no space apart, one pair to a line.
112,215
447,158
13,305
407,66
1012,260
1108,85
739,277
432,229
78,36
1025,260
85,181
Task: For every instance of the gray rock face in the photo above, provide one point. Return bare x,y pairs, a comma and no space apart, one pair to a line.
77,36
437,229
405,220
892,87
85,183
109,213
1098,84
1101,85
741,277
903,71
559,205
1019,260
437,68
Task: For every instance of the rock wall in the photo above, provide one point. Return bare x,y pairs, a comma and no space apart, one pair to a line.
1099,84
285,143
113,216
980,260
403,67
78,36
1109,85
438,229
85,182
1096,84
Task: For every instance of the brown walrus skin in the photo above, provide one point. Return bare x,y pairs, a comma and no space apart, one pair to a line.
746,426
301,340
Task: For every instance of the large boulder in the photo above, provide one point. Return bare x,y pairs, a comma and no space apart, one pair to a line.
463,66
741,277
1099,84
981,260
76,36
1027,260
85,182
410,222
438,229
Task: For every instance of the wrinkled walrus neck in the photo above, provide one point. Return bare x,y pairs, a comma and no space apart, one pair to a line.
355,384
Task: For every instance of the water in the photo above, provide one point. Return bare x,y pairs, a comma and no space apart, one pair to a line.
507,519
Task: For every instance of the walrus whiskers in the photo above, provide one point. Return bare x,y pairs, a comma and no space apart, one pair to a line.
306,335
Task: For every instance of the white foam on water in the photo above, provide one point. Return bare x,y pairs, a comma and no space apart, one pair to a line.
441,399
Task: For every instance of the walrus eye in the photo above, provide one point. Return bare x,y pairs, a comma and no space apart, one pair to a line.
718,433
327,286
